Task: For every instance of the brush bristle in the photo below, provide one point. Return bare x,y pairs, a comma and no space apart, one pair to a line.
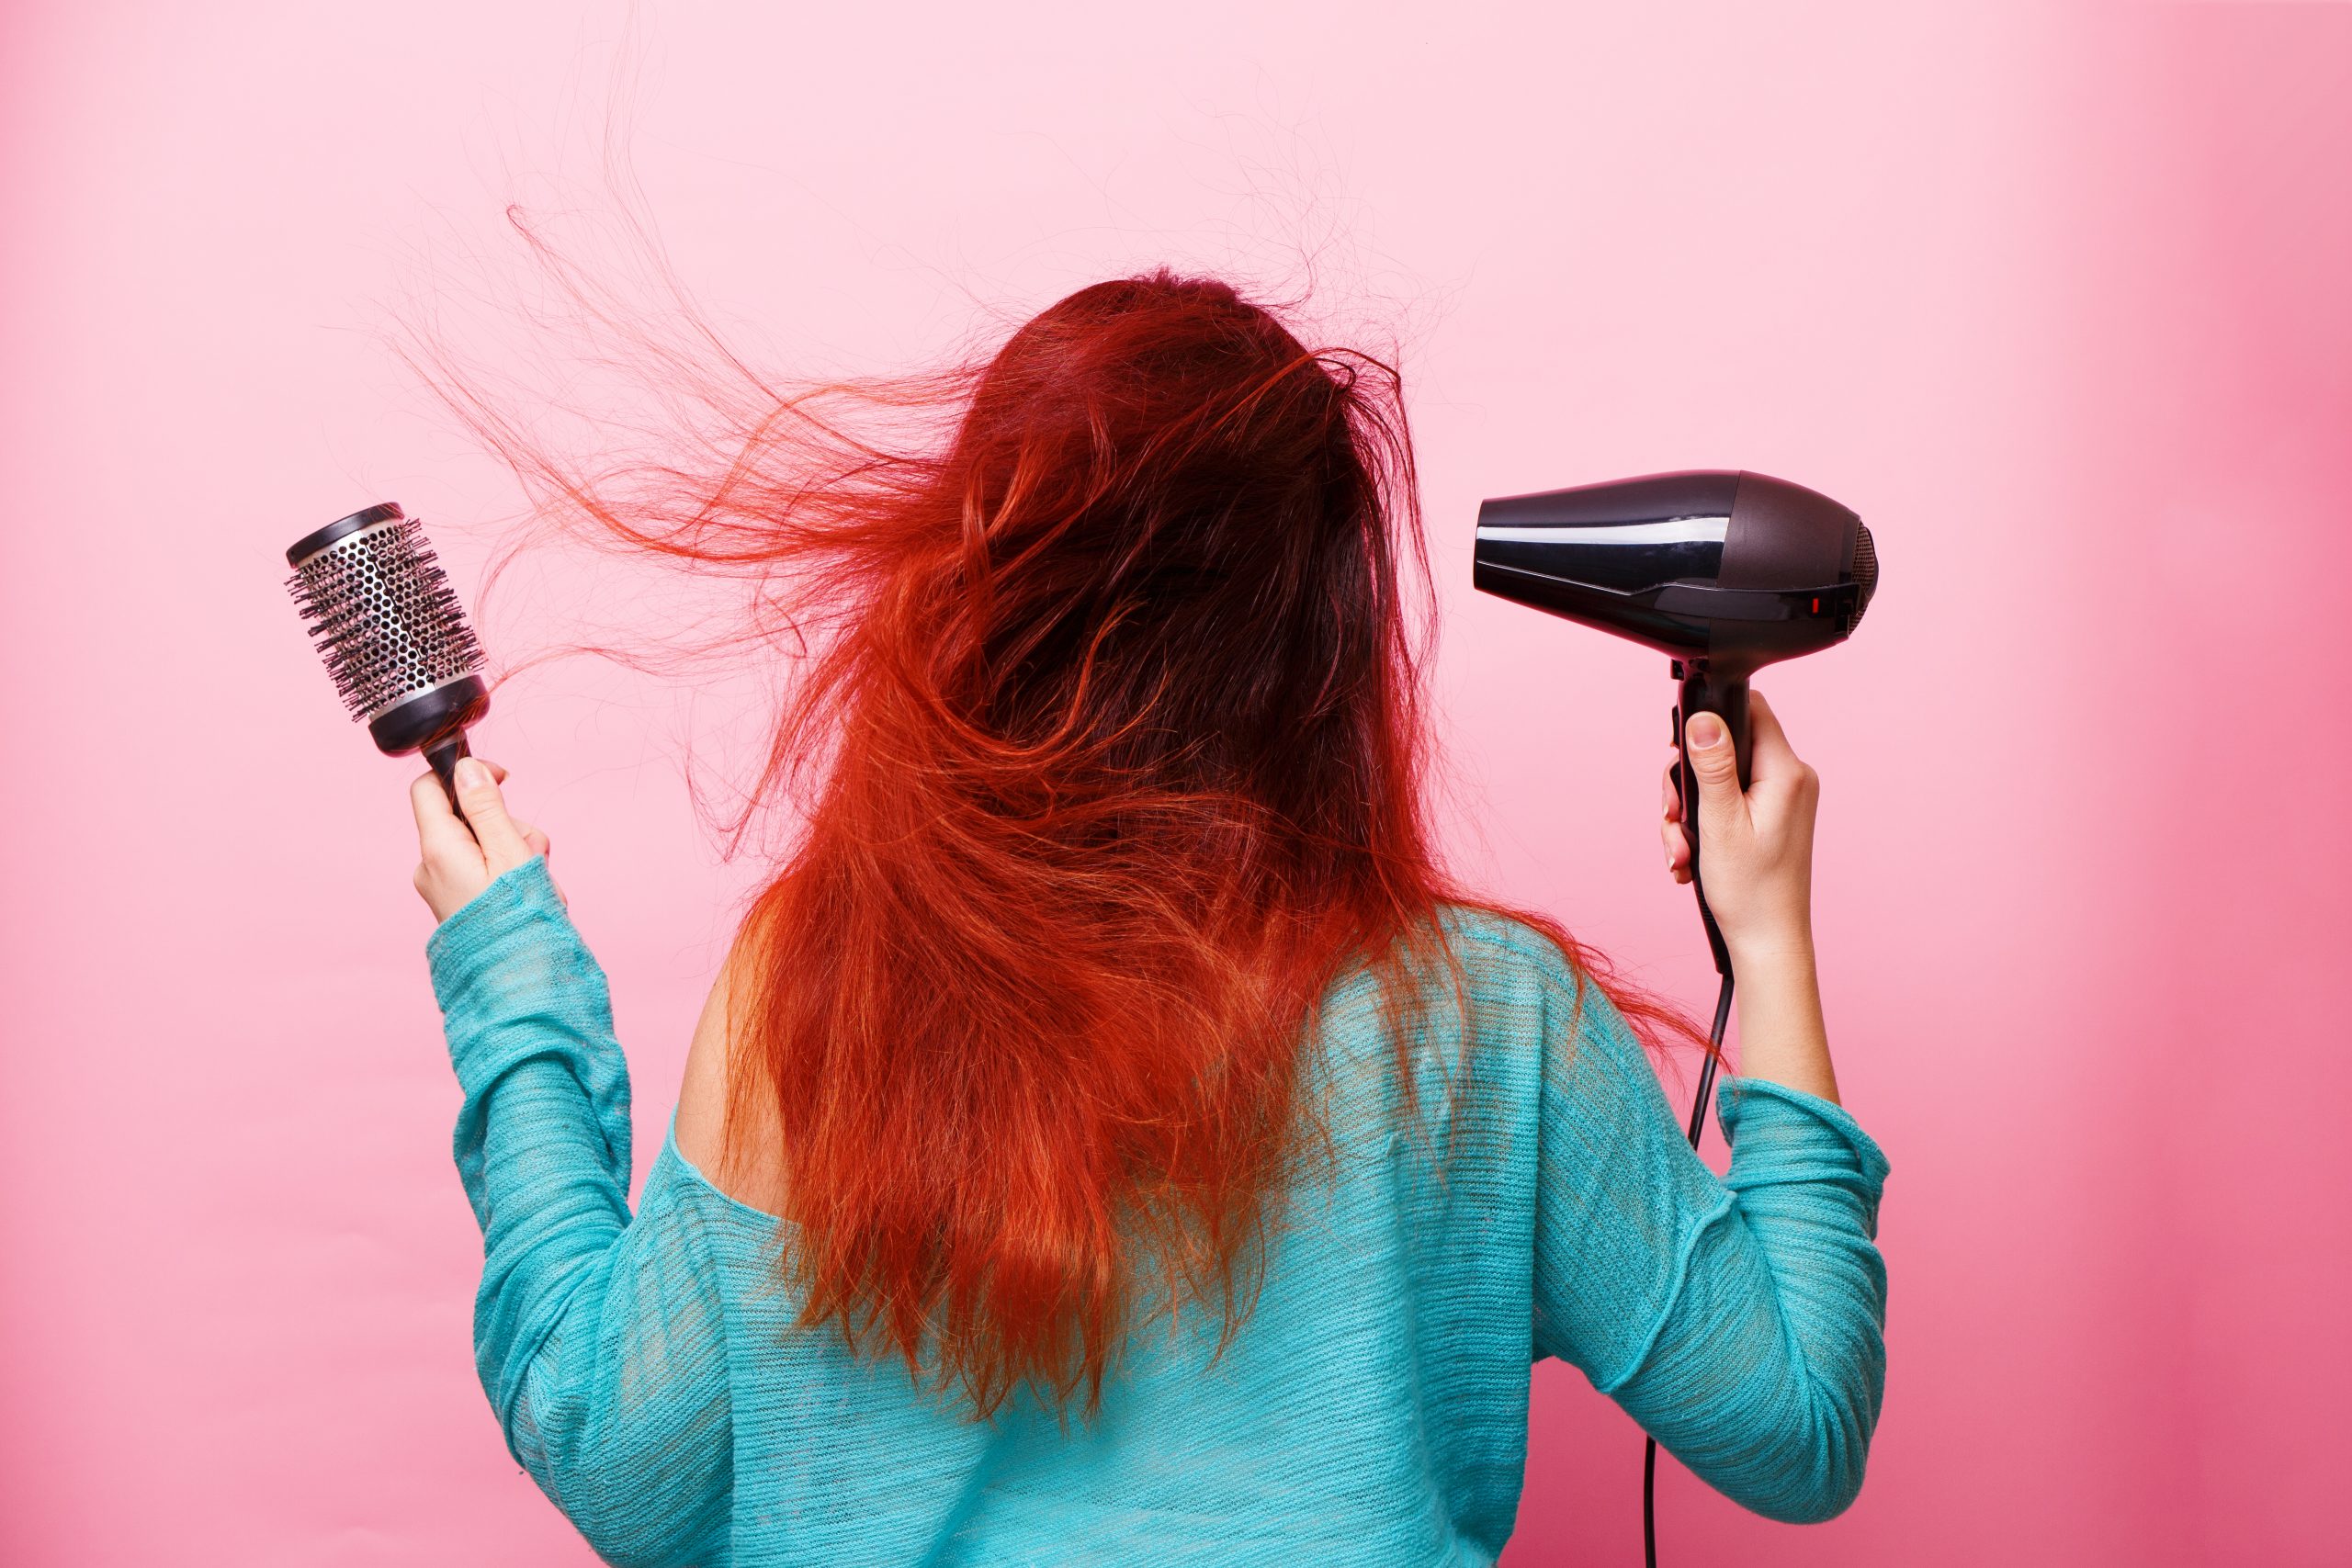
382,615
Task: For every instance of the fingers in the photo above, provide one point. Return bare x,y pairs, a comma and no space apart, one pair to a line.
441,838
1670,833
537,842
1770,756
503,846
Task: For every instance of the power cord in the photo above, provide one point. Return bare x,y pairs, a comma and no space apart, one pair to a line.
1698,1122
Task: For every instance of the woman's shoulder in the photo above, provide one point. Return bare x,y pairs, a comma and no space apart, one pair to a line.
700,1129
1474,968
1494,943
1516,973
1462,949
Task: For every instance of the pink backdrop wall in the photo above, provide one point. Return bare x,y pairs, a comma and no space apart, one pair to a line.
2055,297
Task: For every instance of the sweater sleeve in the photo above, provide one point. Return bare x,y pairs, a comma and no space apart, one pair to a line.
599,1339
1740,1320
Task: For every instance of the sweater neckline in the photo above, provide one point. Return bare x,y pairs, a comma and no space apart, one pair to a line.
693,1176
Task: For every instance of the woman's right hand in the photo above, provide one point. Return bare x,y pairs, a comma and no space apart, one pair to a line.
459,856
1758,844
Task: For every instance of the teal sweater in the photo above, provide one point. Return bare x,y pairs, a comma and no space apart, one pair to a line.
649,1375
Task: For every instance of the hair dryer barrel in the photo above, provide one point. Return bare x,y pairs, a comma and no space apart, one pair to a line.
1738,569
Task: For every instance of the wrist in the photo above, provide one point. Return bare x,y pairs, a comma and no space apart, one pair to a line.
1780,950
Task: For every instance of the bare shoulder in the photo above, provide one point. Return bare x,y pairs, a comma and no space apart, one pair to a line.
750,1172
702,1097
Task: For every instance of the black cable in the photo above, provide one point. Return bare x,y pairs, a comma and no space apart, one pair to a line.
1715,1054
1698,1123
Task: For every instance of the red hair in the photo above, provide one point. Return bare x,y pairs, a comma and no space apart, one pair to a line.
1110,750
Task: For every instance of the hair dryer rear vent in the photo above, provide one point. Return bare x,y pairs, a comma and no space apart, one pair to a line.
1864,573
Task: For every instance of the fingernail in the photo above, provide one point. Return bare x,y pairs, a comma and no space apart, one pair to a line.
1705,731
471,773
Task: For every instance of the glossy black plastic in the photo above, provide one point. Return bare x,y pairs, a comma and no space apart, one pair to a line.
1696,693
1738,569
434,723
308,545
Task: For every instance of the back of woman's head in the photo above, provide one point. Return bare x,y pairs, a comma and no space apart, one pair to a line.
1157,566
1107,757
1121,769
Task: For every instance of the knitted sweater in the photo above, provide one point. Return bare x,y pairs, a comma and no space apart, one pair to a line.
650,1373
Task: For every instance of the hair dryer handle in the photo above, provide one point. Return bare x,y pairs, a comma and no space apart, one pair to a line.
1726,698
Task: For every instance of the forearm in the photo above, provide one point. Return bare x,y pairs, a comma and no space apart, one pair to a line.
1741,1318
1782,1038
1767,1374
542,1139
600,1340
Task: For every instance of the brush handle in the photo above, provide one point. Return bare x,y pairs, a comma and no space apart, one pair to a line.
443,753
1726,698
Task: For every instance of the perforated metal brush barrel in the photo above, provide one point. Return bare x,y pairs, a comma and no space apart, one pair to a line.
393,635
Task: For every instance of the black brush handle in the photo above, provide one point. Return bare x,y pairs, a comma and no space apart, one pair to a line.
443,753
1726,698
434,723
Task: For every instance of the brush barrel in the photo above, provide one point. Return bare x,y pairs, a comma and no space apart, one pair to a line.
392,634
389,627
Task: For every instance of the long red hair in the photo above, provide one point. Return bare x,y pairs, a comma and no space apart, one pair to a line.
1109,750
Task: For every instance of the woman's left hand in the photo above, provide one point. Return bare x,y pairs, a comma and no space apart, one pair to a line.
457,864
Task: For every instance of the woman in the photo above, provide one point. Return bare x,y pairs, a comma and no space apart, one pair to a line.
1111,1138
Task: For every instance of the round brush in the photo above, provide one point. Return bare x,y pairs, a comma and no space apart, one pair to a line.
383,616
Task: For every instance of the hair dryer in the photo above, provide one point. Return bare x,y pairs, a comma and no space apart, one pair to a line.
1723,571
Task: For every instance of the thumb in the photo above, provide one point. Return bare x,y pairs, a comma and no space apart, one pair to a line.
501,842
1721,806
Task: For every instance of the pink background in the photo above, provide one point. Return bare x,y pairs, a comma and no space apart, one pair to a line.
2056,297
